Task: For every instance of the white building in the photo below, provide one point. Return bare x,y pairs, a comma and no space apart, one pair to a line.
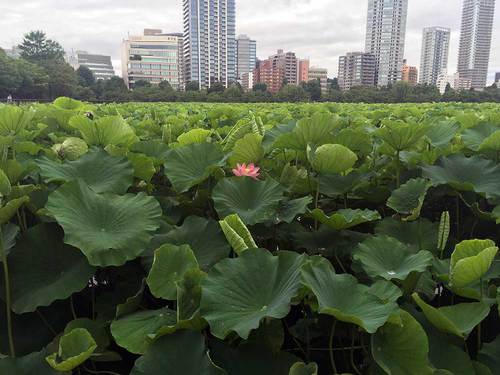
320,74
385,38
246,55
100,65
454,80
434,56
153,57
475,41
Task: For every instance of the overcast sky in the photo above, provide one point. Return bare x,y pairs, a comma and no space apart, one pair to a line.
321,30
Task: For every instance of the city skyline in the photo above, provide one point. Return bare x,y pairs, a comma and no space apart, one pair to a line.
306,28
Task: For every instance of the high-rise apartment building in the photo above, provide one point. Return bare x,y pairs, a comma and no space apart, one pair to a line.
356,69
475,41
454,81
303,70
100,65
290,64
209,42
497,78
278,70
434,55
321,74
385,38
246,55
409,74
153,57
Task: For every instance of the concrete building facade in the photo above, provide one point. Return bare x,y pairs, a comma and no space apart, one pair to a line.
246,55
356,69
434,55
100,65
303,70
385,38
209,42
153,57
409,74
320,74
475,41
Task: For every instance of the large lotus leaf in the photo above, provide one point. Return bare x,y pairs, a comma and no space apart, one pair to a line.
251,359
239,293
385,290
169,266
108,229
474,137
205,238
470,261
43,269
459,319
68,103
13,120
110,130
400,135
345,218
9,234
194,136
99,170
441,133
316,130
144,167
300,368
357,140
31,364
492,143
469,174
289,210
335,185
154,149
333,158
189,165
445,355
408,199
247,150
490,355
344,298
422,234
237,233
402,349
253,201
133,331
5,186
386,257
183,353
97,329
10,209
75,348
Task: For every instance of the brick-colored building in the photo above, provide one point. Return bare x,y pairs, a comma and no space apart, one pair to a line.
278,70
303,71
409,74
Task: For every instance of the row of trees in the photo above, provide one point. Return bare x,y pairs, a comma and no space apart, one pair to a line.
42,73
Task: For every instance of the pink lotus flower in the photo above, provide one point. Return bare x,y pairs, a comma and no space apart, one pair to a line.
249,170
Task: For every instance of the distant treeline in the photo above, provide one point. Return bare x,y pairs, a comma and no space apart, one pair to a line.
42,73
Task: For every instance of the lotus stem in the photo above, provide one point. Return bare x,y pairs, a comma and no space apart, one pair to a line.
7,296
330,347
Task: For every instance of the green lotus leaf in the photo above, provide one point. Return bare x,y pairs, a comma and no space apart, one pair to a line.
470,261
75,348
251,359
459,319
102,172
189,295
109,130
132,303
237,233
490,354
357,140
5,187
345,218
289,210
402,349
13,120
481,369
447,355
474,137
97,329
36,279
408,199
183,353
253,201
496,214
344,298
154,149
386,257
492,143
108,229
335,185
204,237
333,158
33,363
194,136
71,149
190,165
67,103
385,290
238,293
300,368
10,209
133,331
169,266
421,234
9,235
247,150
400,135
144,166
14,170
466,174
441,133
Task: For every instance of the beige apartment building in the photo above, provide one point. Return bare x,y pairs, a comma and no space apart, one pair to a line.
153,57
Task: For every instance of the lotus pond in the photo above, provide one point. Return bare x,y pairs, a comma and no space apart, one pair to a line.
273,239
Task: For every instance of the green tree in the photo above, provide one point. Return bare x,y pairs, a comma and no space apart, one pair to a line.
10,79
63,80
193,86
292,93
85,76
313,88
34,81
259,86
216,87
37,48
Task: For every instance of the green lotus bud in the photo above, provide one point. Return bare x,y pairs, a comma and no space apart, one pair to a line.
71,149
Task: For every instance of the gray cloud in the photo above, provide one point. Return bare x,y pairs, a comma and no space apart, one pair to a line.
318,29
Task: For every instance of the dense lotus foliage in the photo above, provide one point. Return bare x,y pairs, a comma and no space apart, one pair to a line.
273,239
